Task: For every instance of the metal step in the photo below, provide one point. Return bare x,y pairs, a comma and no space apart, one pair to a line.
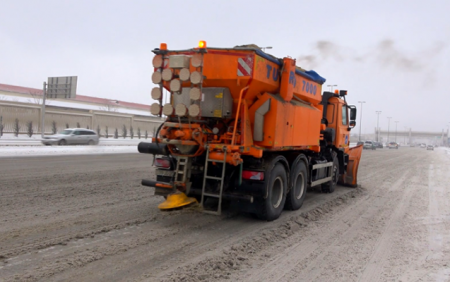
211,195
220,179
213,177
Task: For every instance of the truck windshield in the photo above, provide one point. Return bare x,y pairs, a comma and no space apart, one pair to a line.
344,115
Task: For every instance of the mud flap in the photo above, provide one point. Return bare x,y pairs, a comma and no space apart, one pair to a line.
350,176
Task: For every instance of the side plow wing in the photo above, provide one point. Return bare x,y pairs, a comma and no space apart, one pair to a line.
350,176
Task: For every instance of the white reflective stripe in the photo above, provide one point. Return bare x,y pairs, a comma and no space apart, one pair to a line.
244,65
239,73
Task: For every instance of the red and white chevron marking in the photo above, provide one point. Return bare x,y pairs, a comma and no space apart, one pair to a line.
245,66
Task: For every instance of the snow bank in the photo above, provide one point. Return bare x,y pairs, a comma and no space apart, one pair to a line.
26,151
35,140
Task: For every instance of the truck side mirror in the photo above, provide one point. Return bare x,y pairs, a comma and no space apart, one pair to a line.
352,113
352,124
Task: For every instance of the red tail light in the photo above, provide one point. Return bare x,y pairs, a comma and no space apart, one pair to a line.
163,163
252,175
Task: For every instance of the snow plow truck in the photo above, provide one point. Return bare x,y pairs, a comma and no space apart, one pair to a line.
245,129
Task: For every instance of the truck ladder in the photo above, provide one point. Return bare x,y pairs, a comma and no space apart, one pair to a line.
206,176
181,171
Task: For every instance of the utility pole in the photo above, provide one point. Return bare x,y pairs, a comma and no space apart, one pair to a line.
360,118
396,122
404,136
378,129
389,123
446,141
44,94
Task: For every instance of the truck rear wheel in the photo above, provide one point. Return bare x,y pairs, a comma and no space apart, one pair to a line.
277,186
330,186
298,184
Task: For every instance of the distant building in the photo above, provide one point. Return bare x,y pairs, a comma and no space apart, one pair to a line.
34,96
20,109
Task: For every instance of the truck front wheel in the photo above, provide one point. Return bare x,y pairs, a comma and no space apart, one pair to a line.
277,186
330,186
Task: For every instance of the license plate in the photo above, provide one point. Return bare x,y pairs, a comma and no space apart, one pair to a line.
161,172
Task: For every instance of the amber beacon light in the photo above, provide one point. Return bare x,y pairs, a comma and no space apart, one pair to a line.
202,44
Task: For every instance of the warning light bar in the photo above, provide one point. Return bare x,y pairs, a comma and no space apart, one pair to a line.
202,44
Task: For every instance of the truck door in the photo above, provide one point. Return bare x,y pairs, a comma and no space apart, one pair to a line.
338,121
342,130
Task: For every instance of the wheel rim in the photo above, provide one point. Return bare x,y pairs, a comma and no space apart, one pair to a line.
277,192
299,186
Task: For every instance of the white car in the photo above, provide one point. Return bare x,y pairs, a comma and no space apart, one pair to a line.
72,136
430,147
393,145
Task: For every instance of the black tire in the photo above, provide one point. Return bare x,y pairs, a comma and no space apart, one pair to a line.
91,142
298,183
330,186
62,142
277,186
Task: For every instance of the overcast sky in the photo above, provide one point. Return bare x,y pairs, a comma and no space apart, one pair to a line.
394,55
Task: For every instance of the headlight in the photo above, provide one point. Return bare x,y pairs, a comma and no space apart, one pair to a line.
195,94
157,61
197,60
180,110
167,74
156,93
175,85
155,109
156,77
194,110
168,110
184,74
196,77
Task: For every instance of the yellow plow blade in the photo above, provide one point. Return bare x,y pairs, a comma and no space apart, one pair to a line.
176,200
350,176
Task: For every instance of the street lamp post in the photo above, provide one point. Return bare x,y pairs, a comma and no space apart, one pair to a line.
446,141
396,122
404,136
109,105
331,86
360,118
389,124
378,129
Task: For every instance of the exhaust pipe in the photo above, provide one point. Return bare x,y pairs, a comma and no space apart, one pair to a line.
156,184
153,148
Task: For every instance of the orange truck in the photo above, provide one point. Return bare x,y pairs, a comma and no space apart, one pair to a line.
246,129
